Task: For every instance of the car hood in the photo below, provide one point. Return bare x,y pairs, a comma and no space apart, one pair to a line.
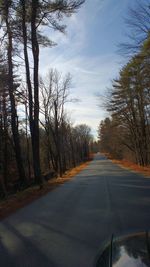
126,251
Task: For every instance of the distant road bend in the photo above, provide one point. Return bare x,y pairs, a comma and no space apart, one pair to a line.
67,227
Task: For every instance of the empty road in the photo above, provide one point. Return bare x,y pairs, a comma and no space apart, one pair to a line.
68,226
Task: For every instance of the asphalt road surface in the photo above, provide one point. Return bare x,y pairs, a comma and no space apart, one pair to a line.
68,226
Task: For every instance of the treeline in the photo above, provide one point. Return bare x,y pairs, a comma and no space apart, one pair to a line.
126,134
37,139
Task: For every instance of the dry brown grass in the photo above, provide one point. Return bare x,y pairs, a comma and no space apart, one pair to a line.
23,198
134,167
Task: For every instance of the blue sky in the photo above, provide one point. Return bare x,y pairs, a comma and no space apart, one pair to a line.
89,52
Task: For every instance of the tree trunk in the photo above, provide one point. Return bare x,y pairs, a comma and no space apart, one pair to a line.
35,53
5,126
14,119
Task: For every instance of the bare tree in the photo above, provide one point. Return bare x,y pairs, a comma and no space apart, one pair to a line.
138,28
54,94
43,14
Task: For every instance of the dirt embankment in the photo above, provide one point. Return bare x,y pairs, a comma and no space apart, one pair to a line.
134,167
145,170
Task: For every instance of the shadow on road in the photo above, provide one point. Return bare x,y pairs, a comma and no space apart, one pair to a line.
67,226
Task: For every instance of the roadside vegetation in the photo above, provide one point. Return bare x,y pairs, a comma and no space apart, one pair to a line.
28,195
125,134
37,140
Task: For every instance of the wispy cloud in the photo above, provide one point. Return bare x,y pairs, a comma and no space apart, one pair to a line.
91,71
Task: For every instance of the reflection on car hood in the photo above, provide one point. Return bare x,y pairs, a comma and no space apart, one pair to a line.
128,251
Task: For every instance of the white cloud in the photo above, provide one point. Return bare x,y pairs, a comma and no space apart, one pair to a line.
91,74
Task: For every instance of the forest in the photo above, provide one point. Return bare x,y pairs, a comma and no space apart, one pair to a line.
37,139
125,134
